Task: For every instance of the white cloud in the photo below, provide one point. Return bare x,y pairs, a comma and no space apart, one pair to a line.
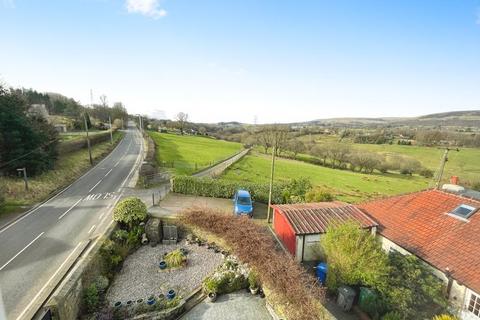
149,8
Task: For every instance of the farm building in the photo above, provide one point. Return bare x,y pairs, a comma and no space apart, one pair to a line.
442,229
300,226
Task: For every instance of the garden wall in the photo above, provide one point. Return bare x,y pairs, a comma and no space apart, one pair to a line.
217,169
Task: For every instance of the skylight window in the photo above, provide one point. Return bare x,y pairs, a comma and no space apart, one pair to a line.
463,211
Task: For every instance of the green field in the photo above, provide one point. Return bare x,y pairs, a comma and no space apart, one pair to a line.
187,154
348,186
465,163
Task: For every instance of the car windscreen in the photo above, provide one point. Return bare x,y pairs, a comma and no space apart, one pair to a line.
244,200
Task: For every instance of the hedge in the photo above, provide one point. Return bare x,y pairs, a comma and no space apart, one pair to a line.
218,188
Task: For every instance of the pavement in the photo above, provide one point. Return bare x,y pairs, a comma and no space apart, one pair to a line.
234,306
36,248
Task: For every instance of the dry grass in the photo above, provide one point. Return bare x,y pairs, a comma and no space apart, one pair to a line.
297,292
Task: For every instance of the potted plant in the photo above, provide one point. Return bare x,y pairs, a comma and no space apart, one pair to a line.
118,304
253,282
175,259
129,303
210,287
151,300
212,296
162,265
170,294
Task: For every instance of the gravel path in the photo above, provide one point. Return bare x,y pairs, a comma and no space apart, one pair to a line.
141,277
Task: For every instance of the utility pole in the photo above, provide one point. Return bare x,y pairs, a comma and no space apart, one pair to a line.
271,181
24,170
441,169
111,134
88,139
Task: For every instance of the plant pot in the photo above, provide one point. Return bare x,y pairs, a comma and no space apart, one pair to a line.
162,265
171,294
118,304
253,290
161,296
184,251
129,303
216,250
139,301
212,296
151,300
261,294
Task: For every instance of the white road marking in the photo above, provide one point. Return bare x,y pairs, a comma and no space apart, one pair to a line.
63,214
91,229
108,172
20,252
116,164
96,184
48,282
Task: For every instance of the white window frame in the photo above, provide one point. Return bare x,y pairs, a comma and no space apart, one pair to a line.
467,314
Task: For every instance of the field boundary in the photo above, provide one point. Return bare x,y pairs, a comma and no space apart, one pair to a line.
219,167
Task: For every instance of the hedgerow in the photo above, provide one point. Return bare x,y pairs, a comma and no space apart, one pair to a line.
291,287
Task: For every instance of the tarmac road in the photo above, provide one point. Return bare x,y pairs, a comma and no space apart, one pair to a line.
34,248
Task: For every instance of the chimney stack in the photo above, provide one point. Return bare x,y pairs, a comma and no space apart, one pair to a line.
454,180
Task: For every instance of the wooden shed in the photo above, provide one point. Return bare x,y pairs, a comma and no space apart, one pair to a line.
300,226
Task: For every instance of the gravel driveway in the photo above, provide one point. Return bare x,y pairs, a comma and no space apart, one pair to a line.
141,277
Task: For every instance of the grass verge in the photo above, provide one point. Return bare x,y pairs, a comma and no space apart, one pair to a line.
68,168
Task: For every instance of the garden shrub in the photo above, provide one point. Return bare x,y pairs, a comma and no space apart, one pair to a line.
175,259
318,194
130,211
91,298
295,190
229,277
354,256
425,172
253,280
292,289
392,315
411,286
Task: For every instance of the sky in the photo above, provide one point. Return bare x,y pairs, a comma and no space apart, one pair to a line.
269,60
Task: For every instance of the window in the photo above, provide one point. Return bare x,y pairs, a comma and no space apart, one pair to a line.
463,211
474,305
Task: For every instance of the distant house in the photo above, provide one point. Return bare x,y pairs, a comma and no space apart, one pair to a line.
60,127
301,226
441,228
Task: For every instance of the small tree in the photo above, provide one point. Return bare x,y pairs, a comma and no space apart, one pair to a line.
318,194
354,256
130,211
182,119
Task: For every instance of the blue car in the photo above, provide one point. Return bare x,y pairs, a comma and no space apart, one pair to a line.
242,203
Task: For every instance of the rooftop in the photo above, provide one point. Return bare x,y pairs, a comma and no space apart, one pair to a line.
423,223
312,218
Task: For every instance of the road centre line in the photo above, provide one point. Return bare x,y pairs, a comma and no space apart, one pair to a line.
96,184
91,229
48,282
108,172
20,252
63,214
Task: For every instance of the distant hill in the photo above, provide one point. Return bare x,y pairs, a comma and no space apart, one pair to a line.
470,118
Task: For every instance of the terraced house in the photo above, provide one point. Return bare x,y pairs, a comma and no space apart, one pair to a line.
441,228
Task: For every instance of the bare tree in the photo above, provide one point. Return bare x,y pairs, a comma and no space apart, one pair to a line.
104,101
182,119
295,146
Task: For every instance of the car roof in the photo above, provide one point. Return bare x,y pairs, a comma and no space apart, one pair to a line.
243,193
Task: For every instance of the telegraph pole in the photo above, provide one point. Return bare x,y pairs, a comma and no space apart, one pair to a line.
111,134
88,139
274,148
441,169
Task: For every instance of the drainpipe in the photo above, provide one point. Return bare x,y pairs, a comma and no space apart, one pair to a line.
303,247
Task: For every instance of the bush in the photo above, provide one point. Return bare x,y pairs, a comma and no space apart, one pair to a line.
130,211
354,256
294,192
175,259
427,173
392,316
218,188
411,287
318,194
91,298
253,280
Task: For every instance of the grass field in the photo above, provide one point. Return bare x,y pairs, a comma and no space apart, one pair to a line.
73,135
465,163
67,169
187,154
346,185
